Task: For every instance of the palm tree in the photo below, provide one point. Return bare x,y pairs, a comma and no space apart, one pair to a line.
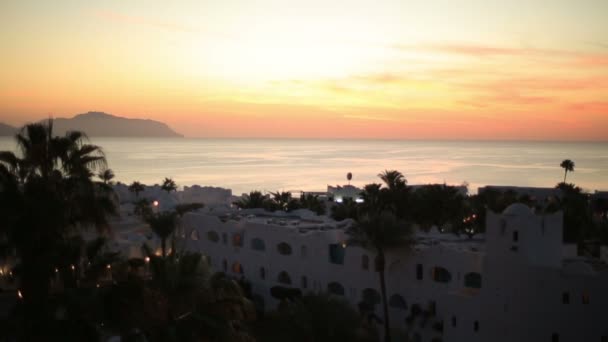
106,176
568,166
168,185
49,194
380,233
136,187
393,179
163,224
255,199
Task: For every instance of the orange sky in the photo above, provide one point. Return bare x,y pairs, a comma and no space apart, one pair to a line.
482,69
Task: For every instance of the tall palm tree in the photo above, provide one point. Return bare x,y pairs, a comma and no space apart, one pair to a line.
380,233
163,224
255,199
168,185
136,187
49,194
568,166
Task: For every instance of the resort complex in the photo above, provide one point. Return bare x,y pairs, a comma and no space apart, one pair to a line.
517,281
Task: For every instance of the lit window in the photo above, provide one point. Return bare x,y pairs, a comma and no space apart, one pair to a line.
585,298
237,268
237,240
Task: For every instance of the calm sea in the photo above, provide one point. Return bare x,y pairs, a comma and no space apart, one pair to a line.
277,164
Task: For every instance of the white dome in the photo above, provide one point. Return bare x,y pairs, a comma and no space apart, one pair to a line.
518,209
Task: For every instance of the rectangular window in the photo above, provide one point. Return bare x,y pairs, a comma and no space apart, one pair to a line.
585,298
336,254
555,338
604,338
453,321
476,326
515,236
565,298
419,271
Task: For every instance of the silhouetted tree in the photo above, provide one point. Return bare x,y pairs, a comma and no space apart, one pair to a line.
568,166
168,185
136,187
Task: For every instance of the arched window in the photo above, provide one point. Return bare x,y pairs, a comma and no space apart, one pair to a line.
284,248
284,278
335,288
441,275
237,268
194,235
237,240
371,296
365,262
213,236
472,280
258,244
397,302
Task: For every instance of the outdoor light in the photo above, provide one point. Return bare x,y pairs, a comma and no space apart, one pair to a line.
155,203
109,266
147,259
19,294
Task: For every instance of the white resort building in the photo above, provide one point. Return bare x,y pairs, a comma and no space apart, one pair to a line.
518,283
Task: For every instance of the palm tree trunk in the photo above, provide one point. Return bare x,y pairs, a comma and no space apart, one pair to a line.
381,266
565,174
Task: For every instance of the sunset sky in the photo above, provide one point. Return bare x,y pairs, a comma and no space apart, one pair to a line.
439,69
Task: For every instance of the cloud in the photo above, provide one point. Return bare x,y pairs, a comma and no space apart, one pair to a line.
137,20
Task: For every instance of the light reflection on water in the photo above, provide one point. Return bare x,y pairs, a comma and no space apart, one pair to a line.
277,164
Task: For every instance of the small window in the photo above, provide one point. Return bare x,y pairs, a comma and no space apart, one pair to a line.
555,337
397,302
258,244
566,298
194,235
284,248
304,282
304,251
336,254
335,288
453,321
585,298
432,308
284,278
476,326
472,280
503,227
419,273
225,265
213,236
262,273
441,275
237,240
604,338
365,262
225,238
237,268
515,236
